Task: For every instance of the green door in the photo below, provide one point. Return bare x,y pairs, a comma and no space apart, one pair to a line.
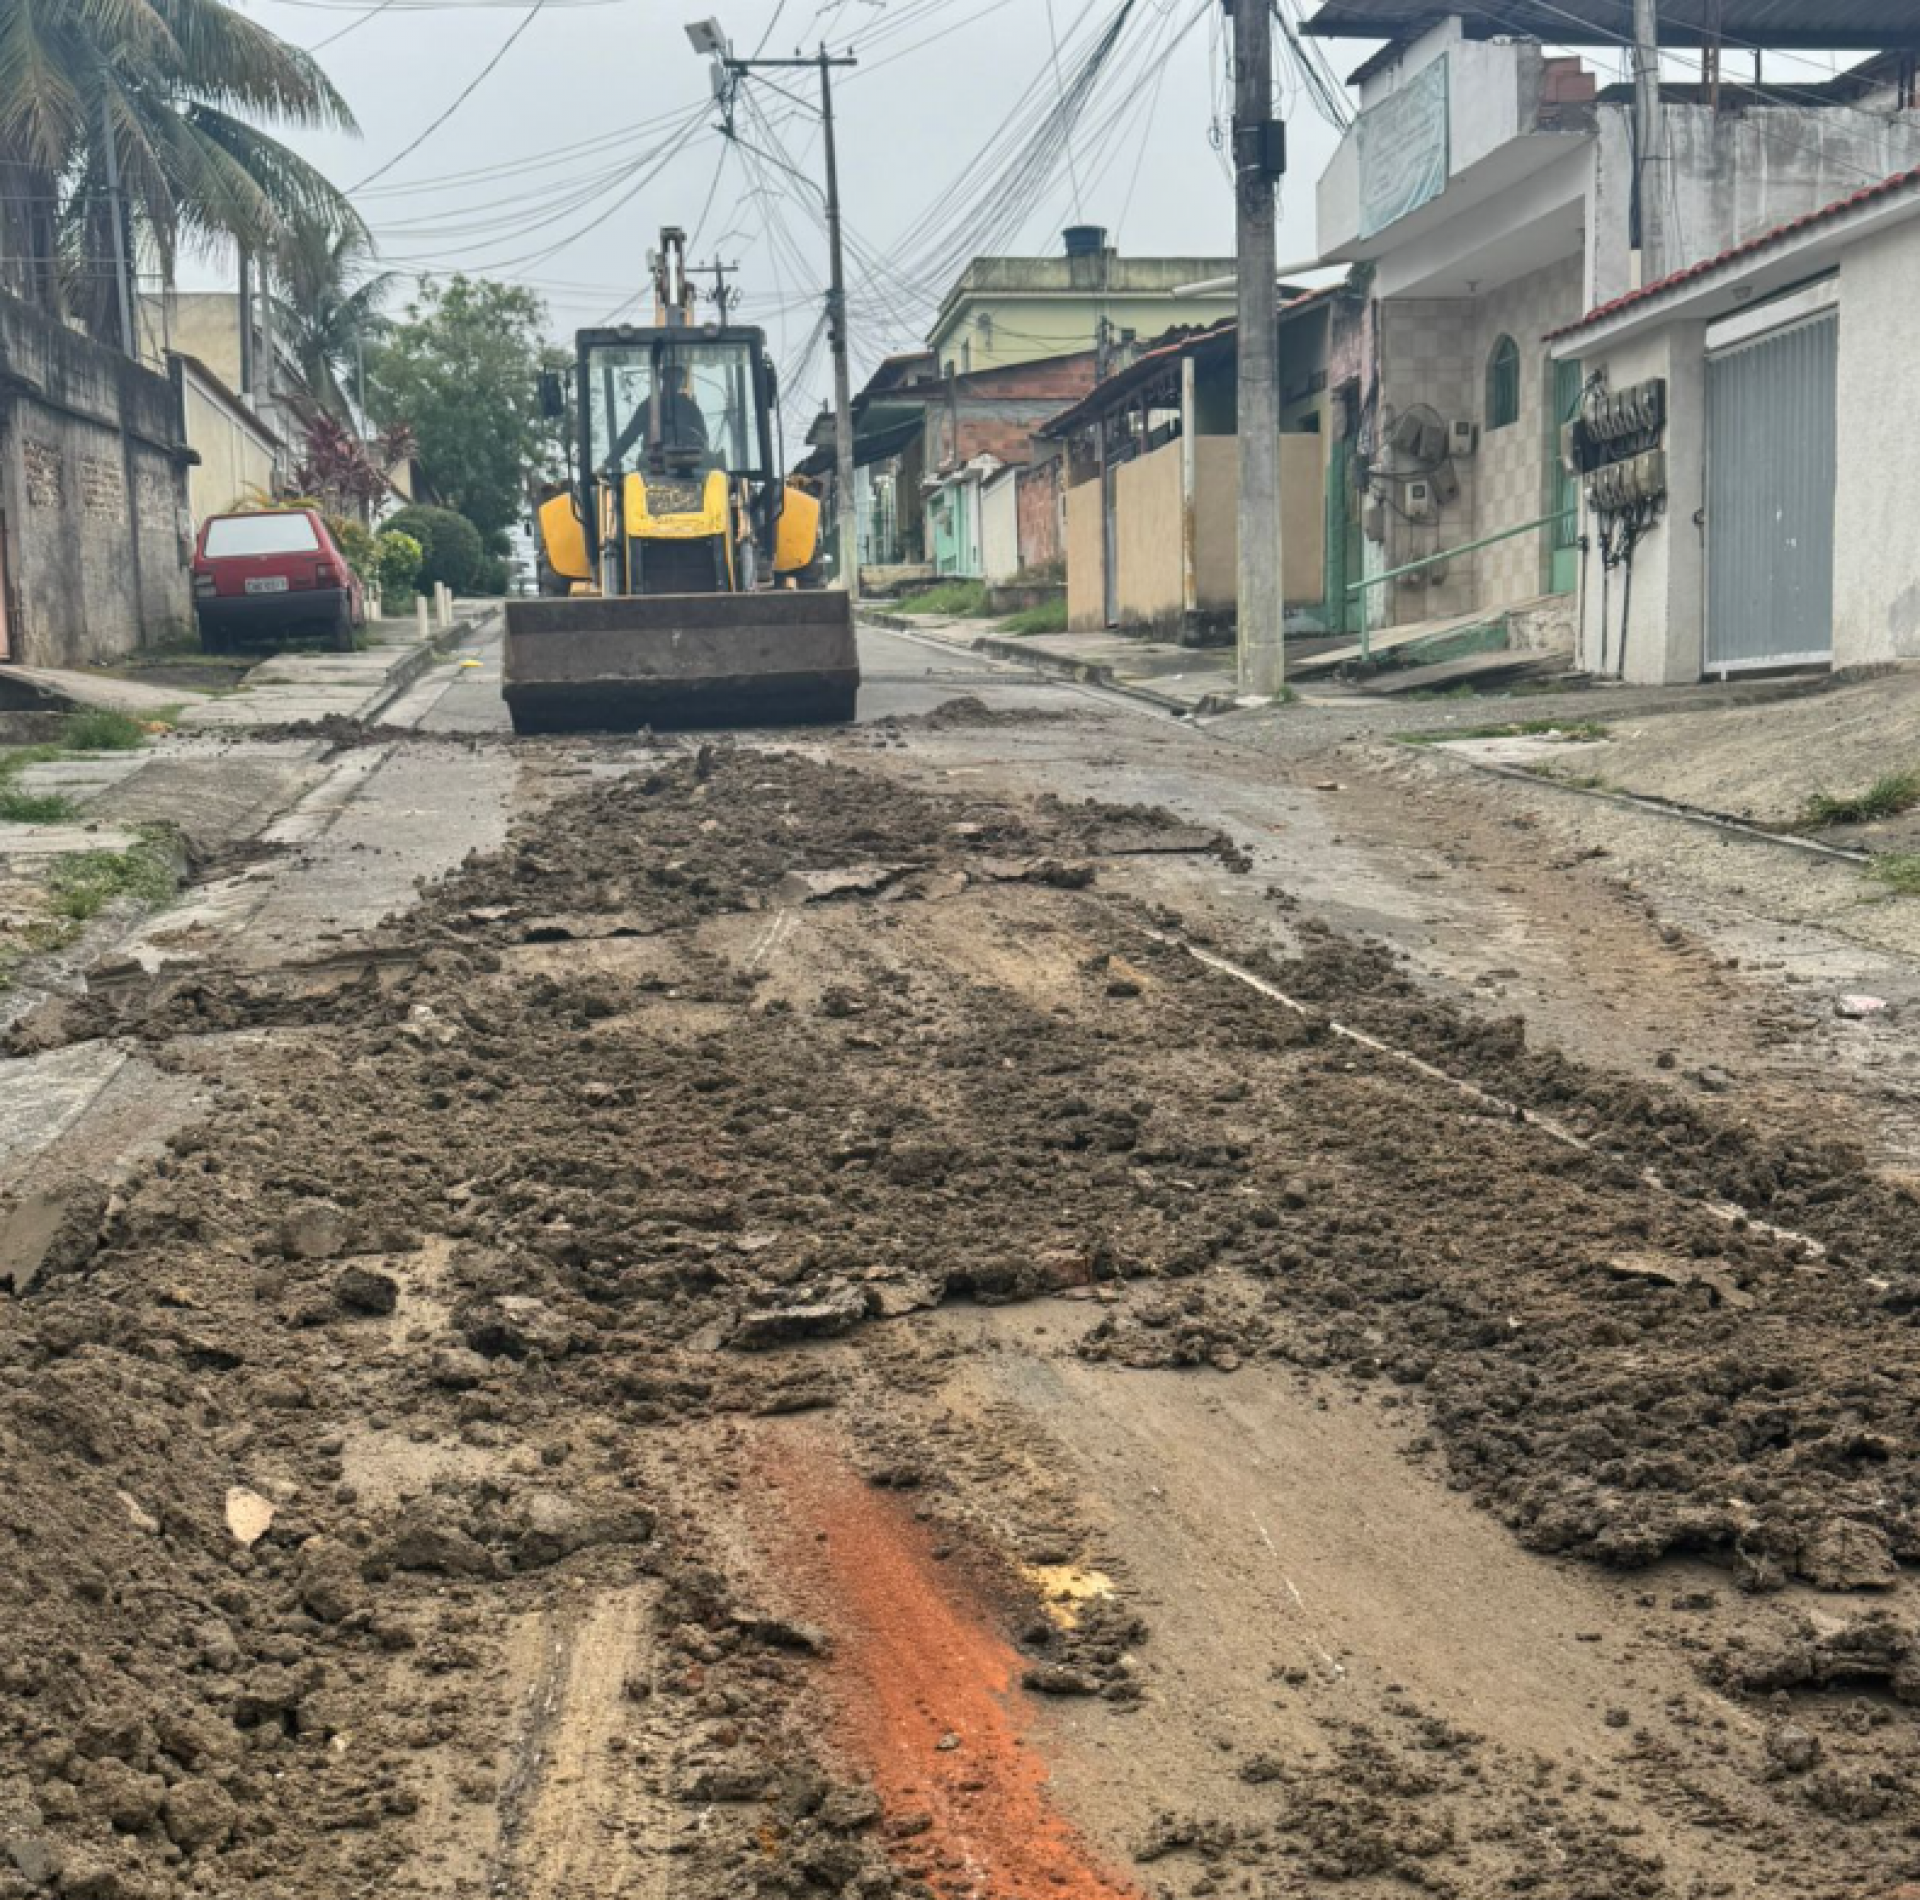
1346,548
1563,490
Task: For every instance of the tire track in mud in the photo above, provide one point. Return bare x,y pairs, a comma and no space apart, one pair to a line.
927,1693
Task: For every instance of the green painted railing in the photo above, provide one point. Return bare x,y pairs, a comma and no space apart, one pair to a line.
1449,554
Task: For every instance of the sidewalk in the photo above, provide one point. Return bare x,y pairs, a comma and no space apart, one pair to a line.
128,822
294,688
1177,679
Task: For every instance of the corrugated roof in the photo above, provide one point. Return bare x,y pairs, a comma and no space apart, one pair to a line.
1179,343
1826,25
1766,241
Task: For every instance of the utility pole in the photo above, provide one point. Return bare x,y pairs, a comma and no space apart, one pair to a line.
1650,251
837,338
1259,159
246,322
117,201
723,292
824,63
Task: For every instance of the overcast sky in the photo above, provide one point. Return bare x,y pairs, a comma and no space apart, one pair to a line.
595,127
936,79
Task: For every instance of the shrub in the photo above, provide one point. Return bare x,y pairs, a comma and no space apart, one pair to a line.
398,557
493,577
450,545
357,544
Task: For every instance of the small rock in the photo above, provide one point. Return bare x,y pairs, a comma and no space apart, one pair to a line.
316,1230
1714,1081
362,1290
1856,1007
458,1368
249,1516
1060,1679
948,1742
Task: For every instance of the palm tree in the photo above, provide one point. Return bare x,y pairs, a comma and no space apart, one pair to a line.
328,308
173,89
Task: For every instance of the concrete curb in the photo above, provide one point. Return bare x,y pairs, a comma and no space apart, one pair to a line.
421,659
1039,660
1655,807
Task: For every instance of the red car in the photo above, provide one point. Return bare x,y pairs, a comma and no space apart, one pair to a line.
261,575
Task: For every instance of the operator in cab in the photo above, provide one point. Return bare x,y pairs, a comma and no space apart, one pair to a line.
682,424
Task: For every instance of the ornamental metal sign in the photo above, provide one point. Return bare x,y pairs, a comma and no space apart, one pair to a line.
1404,149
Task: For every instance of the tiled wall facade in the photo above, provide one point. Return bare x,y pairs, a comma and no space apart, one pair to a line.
1425,357
1511,483
1436,351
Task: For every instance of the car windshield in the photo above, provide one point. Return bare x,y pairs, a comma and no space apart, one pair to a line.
261,534
687,405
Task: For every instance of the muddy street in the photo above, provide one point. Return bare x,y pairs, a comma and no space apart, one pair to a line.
1022,1299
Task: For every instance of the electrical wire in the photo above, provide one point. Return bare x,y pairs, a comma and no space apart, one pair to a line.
466,93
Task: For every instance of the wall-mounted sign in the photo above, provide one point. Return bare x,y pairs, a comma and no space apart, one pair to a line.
1404,147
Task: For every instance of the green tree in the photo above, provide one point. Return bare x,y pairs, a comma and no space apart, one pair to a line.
179,88
462,368
328,304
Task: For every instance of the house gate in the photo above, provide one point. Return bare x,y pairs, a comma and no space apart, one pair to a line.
1772,429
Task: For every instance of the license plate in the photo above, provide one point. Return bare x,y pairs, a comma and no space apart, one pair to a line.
268,584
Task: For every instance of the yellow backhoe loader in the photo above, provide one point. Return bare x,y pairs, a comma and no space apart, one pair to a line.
679,571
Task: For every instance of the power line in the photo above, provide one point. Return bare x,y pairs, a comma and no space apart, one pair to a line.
466,93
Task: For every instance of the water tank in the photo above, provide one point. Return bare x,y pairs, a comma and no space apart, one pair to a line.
1085,240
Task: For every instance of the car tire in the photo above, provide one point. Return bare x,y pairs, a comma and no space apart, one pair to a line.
213,639
343,626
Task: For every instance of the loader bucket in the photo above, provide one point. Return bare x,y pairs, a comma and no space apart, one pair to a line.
681,661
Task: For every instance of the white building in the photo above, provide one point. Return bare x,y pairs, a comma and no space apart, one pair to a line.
1787,411
1491,188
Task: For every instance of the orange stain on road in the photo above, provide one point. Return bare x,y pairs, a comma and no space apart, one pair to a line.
928,1693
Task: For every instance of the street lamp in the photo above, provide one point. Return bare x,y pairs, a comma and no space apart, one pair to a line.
707,37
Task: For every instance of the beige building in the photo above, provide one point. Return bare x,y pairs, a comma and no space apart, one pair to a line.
240,455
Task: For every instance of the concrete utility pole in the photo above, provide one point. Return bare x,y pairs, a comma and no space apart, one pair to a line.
1646,139
1259,159
704,35
117,202
837,339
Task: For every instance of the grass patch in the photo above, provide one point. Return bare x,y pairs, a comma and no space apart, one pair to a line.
1887,797
1569,729
962,600
16,758
80,887
1049,617
18,807
1899,871
102,731
1439,692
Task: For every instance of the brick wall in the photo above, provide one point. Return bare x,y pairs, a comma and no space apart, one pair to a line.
1040,505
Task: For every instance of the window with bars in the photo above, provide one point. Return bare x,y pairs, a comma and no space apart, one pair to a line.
1503,385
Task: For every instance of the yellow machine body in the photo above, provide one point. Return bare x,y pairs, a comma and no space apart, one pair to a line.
680,571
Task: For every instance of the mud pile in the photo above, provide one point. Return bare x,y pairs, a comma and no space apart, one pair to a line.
579,1157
